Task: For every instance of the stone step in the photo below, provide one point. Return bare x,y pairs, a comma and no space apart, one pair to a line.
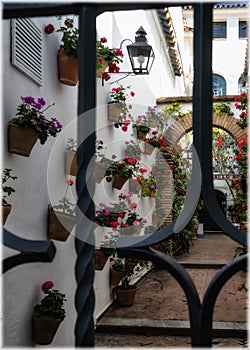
172,327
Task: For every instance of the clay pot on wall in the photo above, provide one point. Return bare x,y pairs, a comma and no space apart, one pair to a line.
67,68
102,69
114,111
59,224
43,332
21,140
100,259
115,276
6,209
71,163
119,182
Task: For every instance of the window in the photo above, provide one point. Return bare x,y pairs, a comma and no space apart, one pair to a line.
219,85
243,29
241,85
219,29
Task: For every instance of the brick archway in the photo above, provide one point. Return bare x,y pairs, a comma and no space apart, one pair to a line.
184,124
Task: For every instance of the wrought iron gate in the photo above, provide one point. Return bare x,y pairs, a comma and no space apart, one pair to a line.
200,313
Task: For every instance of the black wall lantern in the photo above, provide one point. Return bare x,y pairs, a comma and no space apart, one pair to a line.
141,53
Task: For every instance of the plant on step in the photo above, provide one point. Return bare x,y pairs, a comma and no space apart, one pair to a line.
31,115
65,206
70,35
129,266
52,305
221,108
8,190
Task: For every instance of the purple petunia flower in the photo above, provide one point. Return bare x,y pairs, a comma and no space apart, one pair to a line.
41,101
102,205
152,187
106,212
28,99
43,117
37,105
59,125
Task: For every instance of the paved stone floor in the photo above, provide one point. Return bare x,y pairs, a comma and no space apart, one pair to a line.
161,301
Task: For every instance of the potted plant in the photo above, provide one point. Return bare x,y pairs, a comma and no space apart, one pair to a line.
106,57
102,162
142,127
61,217
125,292
71,157
107,247
154,140
148,186
112,215
68,51
6,208
117,270
30,125
118,110
48,315
121,171
132,224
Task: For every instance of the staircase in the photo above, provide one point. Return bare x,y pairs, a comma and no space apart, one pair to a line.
160,313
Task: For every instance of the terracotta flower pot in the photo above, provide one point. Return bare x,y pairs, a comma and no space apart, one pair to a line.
119,181
43,332
100,171
59,225
67,68
114,111
100,259
6,209
125,297
115,276
148,148
101,70
133,185
153,194
21,140
71,163
156,218
141,134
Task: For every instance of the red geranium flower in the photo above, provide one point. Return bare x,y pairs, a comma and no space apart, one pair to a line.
47,285
49,29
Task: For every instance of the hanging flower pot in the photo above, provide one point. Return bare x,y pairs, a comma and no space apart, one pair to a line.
100,259
148,148
43,332
101,70
71,163
125,296
100,171
133,185
156,218
6,209
114,111
21,140
59,224
116,276
153,194
133,230
67,68
119,181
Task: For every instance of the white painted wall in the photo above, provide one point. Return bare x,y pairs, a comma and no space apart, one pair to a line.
41,177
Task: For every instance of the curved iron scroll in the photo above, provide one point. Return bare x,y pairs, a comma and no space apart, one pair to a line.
30,250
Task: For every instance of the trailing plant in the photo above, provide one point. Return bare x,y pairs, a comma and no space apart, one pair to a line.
221,108
65,206
6,176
